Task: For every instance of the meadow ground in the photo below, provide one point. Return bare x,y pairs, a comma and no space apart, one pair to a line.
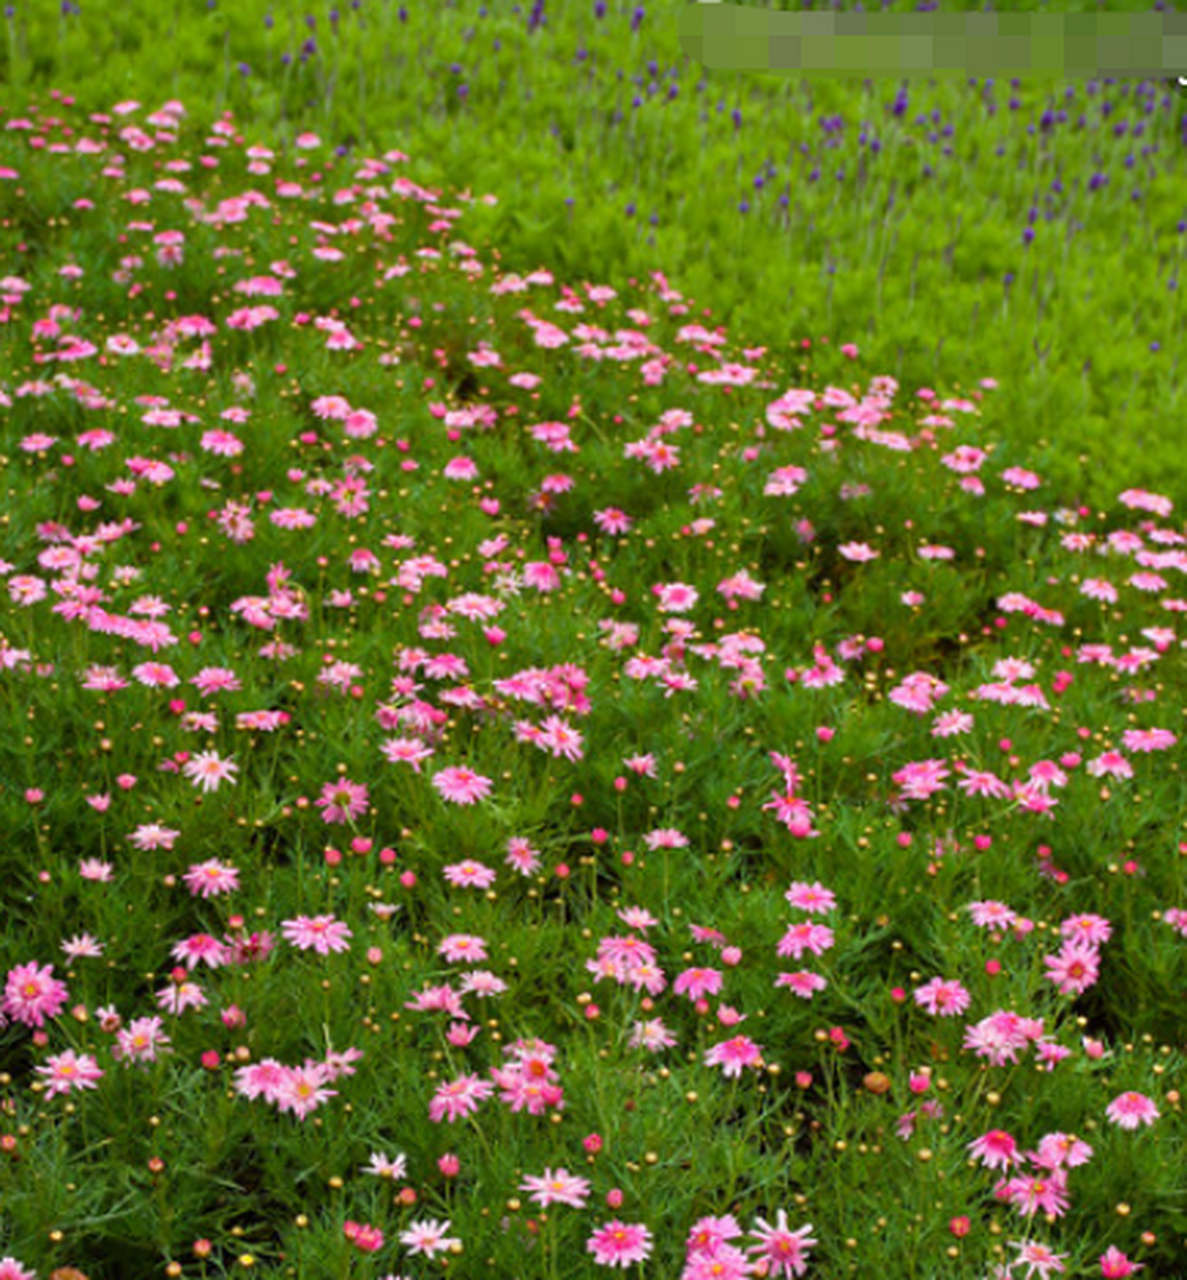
536,739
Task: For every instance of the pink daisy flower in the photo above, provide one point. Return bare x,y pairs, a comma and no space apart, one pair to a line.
471,874
208,771
1037,1258
69,1071
1129,1110
1074,969
461,785
619,1244
522,856
724,1263
342,801
710,1233
301,1089
200,948
429,1237
805,936
811,897
11,1269
1114,1264
995,1149
211,878
462,946
32,994
695,983
260,1080
652,1035
942,997
322,934
140,1041
560,1187
781,1249
804,983
1029,1194
733,1055
458,1098
1086,930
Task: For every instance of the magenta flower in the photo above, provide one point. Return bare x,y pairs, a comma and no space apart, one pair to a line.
301,1089
69,1071
945,998
1114,1265
811,897
619,1244
459,1098
32,994
1074,969
995,1149
322,934
805,936
461,785
733,1055
342,801
211,878
696,983
781,1249
363,1236
1129,1110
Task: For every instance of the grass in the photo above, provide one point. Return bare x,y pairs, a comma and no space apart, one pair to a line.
507,695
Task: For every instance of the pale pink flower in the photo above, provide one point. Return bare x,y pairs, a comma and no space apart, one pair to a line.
1037,1258
652,1035
207,770
82,946
383,1167
429,1237
1090,930
152,835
